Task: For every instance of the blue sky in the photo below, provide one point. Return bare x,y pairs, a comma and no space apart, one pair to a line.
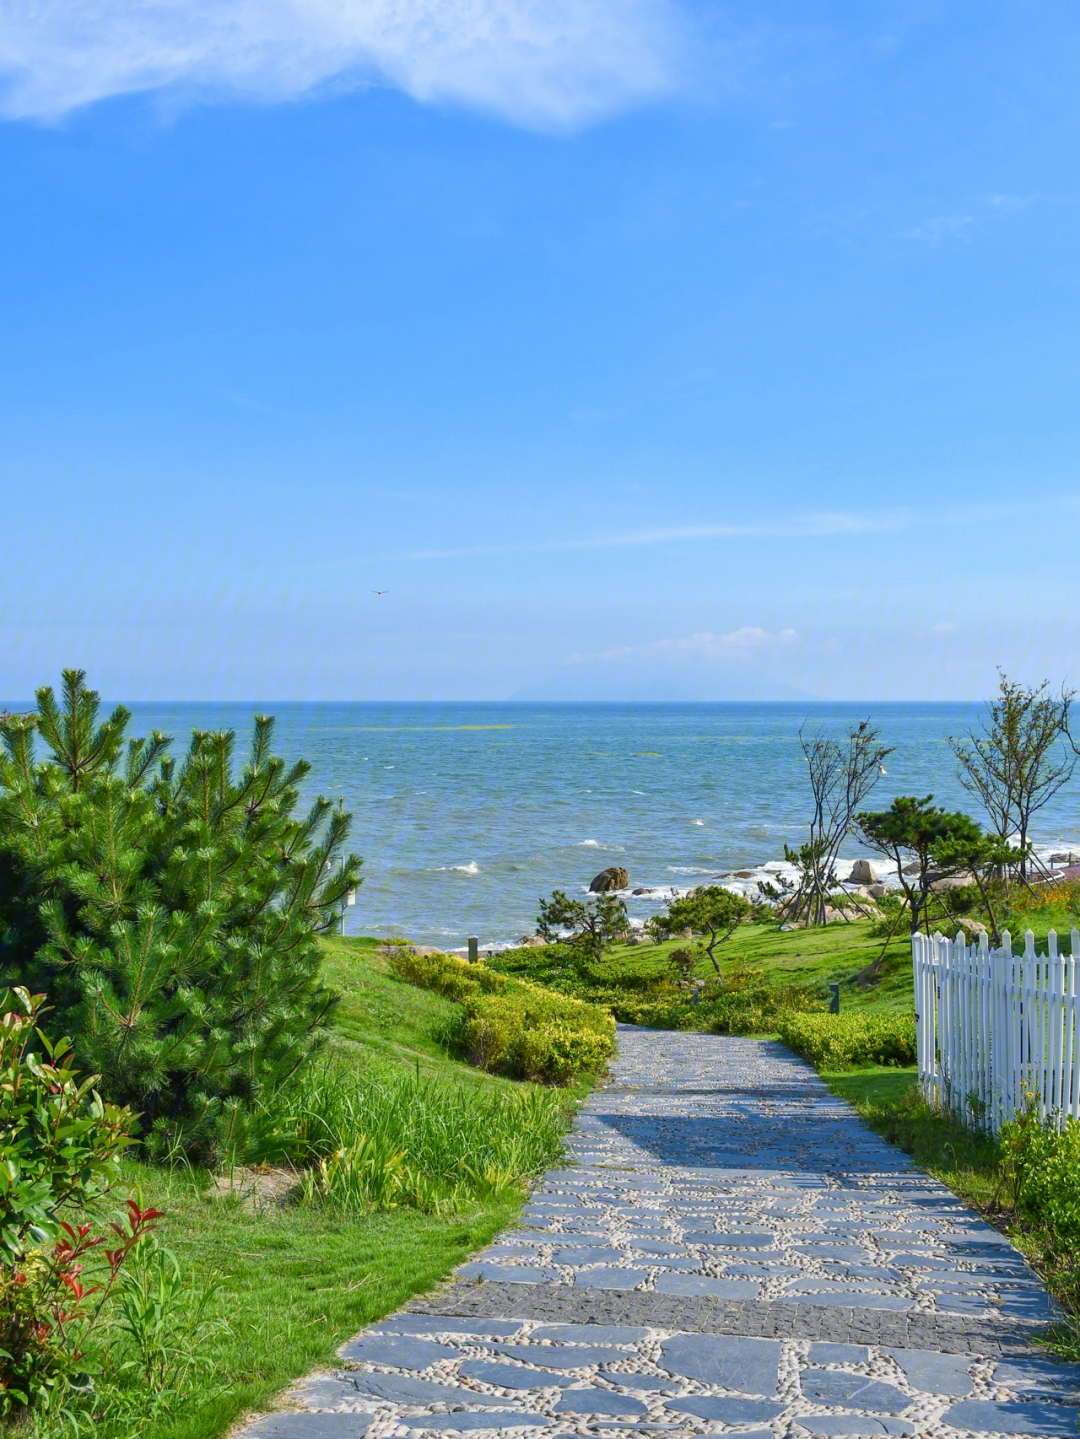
635,349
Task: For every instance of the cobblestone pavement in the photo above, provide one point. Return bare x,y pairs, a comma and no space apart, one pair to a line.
731,1251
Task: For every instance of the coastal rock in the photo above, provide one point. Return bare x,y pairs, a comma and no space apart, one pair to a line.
744,874
642,891
953,881
609,879
532,941
878,891
862,872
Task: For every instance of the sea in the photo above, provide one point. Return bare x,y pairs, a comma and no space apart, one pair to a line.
466,814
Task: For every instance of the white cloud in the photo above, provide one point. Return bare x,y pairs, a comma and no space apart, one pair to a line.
740,643
946,627
545,63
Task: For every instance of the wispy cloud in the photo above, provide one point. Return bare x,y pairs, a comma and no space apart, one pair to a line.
544,63
941,227
837,523
740,643
808,526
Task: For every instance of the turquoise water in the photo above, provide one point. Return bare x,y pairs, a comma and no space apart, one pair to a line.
466,813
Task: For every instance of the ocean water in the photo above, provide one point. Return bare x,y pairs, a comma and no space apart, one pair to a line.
466,813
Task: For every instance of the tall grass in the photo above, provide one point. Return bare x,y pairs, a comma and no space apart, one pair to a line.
374,1137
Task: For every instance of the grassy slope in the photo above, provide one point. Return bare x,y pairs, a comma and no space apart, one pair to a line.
814,956
299,1280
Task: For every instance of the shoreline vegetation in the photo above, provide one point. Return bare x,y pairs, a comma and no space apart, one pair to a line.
298,1131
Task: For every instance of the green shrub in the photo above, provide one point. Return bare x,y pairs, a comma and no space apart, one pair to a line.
172,912
839,1041
1042,1164
513,1027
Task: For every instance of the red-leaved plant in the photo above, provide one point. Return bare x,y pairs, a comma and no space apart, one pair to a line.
60,1148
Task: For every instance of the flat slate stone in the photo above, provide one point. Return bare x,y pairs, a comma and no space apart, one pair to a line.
324,1392
641,1381
404,1389
599,1401
935,1373
728,1411
831,1251
587,1255
839,1354
508,1273
832,1386
512,1376
553,1356
590,1333
840,1426
610,1278
993,1416
723,1288
400,1352
750,1366
1048,1376
312,1426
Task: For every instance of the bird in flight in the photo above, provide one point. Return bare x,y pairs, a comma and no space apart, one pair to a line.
380,592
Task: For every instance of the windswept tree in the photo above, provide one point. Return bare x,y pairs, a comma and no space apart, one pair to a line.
842,773
585,927
1020,759
927,844
711,912
171,911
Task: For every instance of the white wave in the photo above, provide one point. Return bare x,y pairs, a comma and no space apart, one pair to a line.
688,869
471,868
697,821
588,844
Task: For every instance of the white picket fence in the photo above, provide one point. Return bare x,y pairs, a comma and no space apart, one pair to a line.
998,1031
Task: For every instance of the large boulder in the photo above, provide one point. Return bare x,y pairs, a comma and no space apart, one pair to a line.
862,872
608,879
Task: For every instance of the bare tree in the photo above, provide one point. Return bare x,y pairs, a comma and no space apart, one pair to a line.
1020,760
841,776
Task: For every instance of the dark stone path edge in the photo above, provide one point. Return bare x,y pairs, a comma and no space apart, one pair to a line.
557,1303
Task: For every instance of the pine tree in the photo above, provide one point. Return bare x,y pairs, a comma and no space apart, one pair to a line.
170,911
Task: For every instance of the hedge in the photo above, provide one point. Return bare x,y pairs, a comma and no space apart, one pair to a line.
513,1027
839,1041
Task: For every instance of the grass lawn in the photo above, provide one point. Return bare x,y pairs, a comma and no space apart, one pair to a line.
820,956
299,1279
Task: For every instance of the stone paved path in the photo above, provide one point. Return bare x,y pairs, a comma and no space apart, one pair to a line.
731,1251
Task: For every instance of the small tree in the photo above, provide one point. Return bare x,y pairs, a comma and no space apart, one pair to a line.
936,843
1020,760
586,927
841,776
171,911
710,910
